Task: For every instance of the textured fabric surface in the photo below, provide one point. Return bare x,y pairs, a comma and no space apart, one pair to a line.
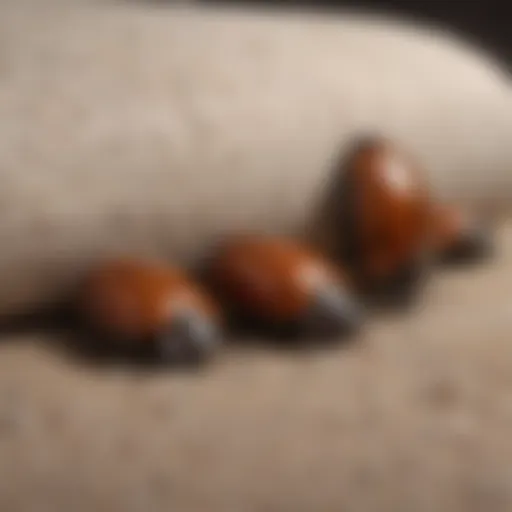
414,416
141,128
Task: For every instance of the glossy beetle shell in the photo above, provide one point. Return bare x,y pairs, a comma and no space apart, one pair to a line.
137,302
383,215
281,283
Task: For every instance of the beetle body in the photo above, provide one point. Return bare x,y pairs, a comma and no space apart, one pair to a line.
283,286
152,308
383,218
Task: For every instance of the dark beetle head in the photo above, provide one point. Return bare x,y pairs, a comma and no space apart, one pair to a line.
459,237
188,339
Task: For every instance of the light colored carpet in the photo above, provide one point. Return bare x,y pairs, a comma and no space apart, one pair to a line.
415,416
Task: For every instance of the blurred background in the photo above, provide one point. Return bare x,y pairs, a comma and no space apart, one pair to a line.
486,22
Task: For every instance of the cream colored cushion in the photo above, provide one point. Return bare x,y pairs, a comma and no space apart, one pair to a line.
146,129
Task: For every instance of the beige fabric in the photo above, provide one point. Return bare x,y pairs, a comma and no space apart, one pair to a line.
151,129
414,417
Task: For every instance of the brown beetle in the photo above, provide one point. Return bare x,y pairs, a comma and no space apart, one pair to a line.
383,218
150,308
280,285
458,236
